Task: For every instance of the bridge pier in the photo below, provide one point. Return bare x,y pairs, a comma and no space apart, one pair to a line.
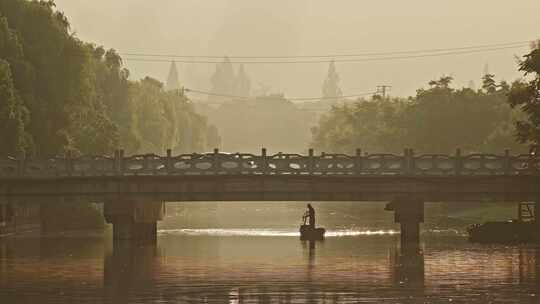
134,220
536,209
409,213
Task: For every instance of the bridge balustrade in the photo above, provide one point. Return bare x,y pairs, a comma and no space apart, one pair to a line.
219,163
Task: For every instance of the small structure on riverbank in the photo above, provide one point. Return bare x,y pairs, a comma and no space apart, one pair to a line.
520,230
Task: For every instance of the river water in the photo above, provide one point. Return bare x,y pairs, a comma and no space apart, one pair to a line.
250,253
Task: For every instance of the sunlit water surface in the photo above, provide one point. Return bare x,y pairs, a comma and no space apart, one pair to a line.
265,265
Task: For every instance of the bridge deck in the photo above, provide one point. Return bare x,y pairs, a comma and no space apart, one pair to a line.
281,164
275,188
279,177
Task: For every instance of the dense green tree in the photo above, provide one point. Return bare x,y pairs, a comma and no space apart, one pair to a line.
367,124
61,93
112,89
439,119
442,83
55,81
488,83
13,115
150,124
525,95
442,118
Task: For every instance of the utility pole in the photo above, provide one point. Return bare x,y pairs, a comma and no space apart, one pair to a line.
382,90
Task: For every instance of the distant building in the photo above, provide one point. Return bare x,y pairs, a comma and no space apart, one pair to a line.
172,80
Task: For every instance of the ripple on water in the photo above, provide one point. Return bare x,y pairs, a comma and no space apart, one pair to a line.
270,232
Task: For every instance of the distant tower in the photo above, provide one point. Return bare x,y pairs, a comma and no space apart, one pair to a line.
243,84
486,69
172,79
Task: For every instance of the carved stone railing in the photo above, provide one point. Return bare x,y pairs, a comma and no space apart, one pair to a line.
219,163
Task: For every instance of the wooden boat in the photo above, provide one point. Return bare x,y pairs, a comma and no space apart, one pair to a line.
308,233
513,231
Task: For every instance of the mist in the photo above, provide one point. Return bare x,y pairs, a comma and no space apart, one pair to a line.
285,28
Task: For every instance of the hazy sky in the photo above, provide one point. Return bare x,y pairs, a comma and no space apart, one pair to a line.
312,27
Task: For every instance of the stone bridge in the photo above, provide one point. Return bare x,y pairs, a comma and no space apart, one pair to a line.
134,188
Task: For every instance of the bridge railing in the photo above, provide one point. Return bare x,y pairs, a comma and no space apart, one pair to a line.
219,163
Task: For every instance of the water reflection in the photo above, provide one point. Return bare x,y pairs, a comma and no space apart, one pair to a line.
129,268
408,273
252,269
311,251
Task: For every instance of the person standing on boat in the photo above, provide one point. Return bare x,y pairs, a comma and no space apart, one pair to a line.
311,215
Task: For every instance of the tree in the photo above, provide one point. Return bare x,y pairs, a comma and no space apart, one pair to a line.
367,124
330,88
13,115
60,93
438,119
443,82
53,76
525,95
488,83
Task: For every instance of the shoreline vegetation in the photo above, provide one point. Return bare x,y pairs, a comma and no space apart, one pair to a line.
62,94
68,216
59,93
439,119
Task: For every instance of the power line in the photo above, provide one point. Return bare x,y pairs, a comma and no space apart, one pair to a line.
508,44
299,106
291,99
388,58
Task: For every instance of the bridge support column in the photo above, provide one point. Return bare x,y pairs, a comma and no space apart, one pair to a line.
134,220
536,219
409,213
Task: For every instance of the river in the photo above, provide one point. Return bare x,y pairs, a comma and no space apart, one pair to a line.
250,253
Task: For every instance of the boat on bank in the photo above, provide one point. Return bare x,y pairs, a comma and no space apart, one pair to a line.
521,230
512,231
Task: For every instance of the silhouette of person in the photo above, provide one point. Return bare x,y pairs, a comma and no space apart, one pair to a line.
311,215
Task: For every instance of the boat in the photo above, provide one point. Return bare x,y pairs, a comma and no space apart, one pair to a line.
512,231
309,233
519,230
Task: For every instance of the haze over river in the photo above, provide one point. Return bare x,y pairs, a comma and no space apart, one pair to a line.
251,253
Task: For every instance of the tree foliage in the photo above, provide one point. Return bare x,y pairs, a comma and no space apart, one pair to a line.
58,92
271,121
525,95
437,120
13,115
